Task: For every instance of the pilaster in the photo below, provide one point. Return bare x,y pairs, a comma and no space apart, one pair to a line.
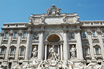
18,45
9,43
28,44
1,37
101,44
89,35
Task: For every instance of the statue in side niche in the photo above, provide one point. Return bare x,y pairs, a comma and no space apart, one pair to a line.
35,52
73,52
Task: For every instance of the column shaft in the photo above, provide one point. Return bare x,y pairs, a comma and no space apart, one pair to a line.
65,46
58,49
79,46
41,47
61,52
28,45
45,52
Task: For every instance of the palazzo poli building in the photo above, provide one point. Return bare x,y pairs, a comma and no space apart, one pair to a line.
52,39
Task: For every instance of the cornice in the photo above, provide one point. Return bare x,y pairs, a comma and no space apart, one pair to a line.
91,21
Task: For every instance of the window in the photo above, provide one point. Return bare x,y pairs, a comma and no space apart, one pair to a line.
3,50
86,51
22,49
83,35
93,33
71,35
24,34
97,51
15,35
12,50
6,35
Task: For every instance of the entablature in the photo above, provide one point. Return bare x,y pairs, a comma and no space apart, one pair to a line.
92,23
53,16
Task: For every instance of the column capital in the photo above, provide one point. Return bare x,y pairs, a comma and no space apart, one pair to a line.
11,32
20,32
29,30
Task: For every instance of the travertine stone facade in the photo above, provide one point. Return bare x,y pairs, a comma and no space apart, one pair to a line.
52,36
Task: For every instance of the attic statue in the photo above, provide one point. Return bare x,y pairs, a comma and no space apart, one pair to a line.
53,10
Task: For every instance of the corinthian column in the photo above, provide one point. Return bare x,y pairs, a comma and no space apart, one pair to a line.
29,44
65,45
79,46
41,47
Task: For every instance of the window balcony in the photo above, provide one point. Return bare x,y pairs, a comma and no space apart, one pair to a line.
88,56
4,41
21,56
14,38
5,38
84,38
24,38
98,56
11,56
94,37
2,56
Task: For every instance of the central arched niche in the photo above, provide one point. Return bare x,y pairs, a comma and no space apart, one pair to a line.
53,38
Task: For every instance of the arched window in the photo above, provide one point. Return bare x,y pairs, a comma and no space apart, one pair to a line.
86,50
83,35
24,34
15,35
97,50
93,33
12,50
22,51
6,35
3,50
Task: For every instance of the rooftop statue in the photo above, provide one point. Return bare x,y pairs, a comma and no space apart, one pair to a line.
53,10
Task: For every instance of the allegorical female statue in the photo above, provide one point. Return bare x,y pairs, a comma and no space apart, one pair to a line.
35,52
73,51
